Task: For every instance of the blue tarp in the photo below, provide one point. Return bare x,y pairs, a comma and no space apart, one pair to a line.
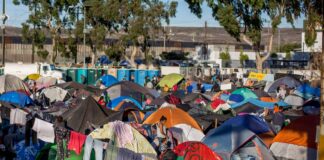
251,122
124,63
236,98
224,97
116,101
27,152
17,98
207,86
108,80
307,89
259,103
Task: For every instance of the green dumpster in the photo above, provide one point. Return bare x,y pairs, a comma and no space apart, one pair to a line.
99,72
92,76
1,71
71,74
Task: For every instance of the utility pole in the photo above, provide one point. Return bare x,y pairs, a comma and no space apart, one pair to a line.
205,43
164,38
76,37
4,18
34,36
84,34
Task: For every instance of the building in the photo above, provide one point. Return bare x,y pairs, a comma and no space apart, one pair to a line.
316,47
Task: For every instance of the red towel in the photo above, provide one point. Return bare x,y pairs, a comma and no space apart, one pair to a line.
76,142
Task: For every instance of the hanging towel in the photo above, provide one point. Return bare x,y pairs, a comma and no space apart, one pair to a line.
45,130
18,116
76,142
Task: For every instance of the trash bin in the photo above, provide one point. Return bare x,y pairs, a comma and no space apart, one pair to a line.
92,76
123,75
140,76
82,76
71,74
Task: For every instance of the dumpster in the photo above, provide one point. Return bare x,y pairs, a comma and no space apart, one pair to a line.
140,76
92,76
71,74
1,71
99,72
123,75
82,75
152,73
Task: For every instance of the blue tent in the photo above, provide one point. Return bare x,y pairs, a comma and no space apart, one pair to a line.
17,98
116,101
251,122
259,103
108,80
124,63
306,89
104,60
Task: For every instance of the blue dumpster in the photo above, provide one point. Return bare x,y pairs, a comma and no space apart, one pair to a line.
152,73
140,76
123,75
82,76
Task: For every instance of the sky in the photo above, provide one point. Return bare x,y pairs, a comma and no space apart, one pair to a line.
19,14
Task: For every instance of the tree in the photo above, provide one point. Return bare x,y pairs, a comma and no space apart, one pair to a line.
226,58
49,15
243,58
243,19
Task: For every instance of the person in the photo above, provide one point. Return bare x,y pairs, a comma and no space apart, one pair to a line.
199,85
203,89
278,120
161,133
189,89
175,88
154,81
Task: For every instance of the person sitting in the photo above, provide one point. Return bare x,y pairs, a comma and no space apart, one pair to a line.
161,134
278,120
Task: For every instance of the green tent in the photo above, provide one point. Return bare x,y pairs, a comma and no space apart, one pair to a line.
170,80
245,92
49,152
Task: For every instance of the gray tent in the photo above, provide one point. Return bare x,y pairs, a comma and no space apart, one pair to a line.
294,100
236,142
289,81
12,83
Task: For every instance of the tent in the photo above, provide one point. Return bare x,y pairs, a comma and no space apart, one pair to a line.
116,101
261,93
308,89
130,89
236,98
232,142
288,80
12,83
251,122
259,103
245,92
16,98
139,144
130,113
268,99
108,80
183,133
174,116
33,76
55,93
44,82
193,96
297,140
195,150
294,100
248,108
87,113
71,85
170,80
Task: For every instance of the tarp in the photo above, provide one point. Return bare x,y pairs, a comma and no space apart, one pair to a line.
184,133
227,140
88,112
195,150
17,98
130,89
116,101
44,82
236,98
71,85
27,152
301,132
294,100
289,81
55,93
174,116
33,76
207,86
170,80
12,83
245,92
108,80
259,103
307,89
193,96
251,122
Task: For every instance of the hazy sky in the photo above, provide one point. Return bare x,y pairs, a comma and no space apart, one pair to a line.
19,14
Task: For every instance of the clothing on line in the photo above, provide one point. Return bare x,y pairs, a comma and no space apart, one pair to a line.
76,142
18,116
93,143
45,130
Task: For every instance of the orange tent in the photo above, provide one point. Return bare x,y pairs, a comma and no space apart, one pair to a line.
301,132
269,99
174,116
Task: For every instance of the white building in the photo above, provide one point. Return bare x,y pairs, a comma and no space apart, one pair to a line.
317,47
